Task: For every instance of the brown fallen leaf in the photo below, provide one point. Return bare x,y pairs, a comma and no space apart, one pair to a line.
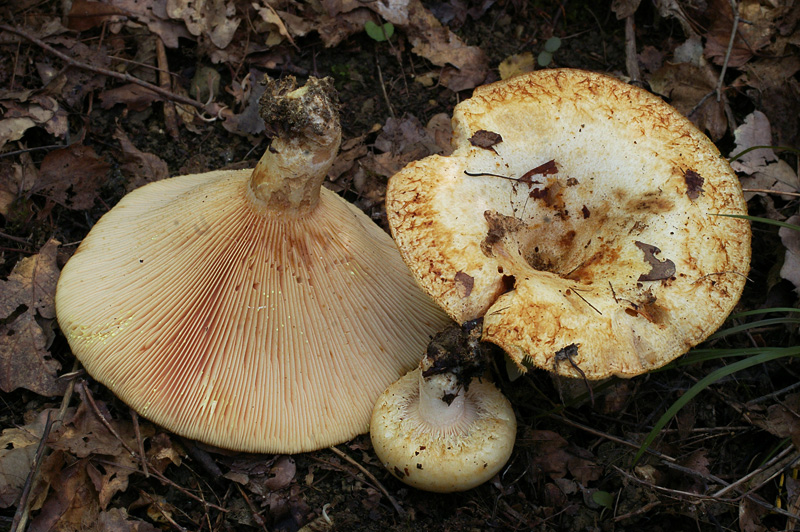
72,176
118,520
248,122
750,37
485,139
139,167
34,110
71,502
791,262
135,97
18,446
29,293
687,85
86,14
659,269
216,21
763,169
553,456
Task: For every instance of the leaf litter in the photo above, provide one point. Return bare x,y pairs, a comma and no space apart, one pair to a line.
83,120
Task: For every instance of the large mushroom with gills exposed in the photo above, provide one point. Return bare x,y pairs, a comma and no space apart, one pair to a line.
590,224
251,309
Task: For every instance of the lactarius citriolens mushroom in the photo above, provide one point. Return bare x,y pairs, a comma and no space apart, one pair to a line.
250,309
585,219
442,427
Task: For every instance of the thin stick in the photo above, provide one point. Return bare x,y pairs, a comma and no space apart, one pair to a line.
21,515
253,510
23,508
631,58
142,456
161,477
104,421
104,71
734,30
370,476
777,192
165,81
383,88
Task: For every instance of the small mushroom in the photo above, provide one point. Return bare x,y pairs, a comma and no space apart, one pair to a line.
249,309
593,237
441,428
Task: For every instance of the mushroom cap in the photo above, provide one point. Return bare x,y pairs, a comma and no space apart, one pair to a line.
600,251
455,458
238,327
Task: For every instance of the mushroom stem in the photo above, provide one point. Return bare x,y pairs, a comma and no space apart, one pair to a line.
441,399
304,123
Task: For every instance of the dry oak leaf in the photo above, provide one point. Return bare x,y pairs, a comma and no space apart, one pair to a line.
16,180
763,169
139,167
19,116
26,295
791,262
71,503
85,436
72,176
18,446
686,85
214,19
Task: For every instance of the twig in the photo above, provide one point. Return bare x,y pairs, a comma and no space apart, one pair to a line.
639,511
21,515
124,76
767,191
370,476
142,456
383,87
15,239
165,81
734,30
23,508
35,148
609,437
104,421
160,476
164,514
253,510
631,58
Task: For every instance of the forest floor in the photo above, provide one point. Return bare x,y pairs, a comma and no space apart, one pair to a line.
79,129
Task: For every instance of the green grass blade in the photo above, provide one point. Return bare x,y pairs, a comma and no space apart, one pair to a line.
762,220
704,383
760,311
753,325
697,356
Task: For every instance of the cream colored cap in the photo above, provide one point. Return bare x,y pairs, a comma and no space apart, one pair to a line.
238,327
599,250
443,458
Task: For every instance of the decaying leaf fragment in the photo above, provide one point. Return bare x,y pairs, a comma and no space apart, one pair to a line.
485,139
29,293
659,269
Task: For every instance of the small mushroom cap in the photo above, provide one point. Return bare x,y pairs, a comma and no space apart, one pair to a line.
241,328
581,217
456,458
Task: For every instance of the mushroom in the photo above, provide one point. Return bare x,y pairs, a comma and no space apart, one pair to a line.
590,223
438,428
249,309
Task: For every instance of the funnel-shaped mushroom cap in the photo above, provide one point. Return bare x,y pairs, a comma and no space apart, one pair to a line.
580,216
248,320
